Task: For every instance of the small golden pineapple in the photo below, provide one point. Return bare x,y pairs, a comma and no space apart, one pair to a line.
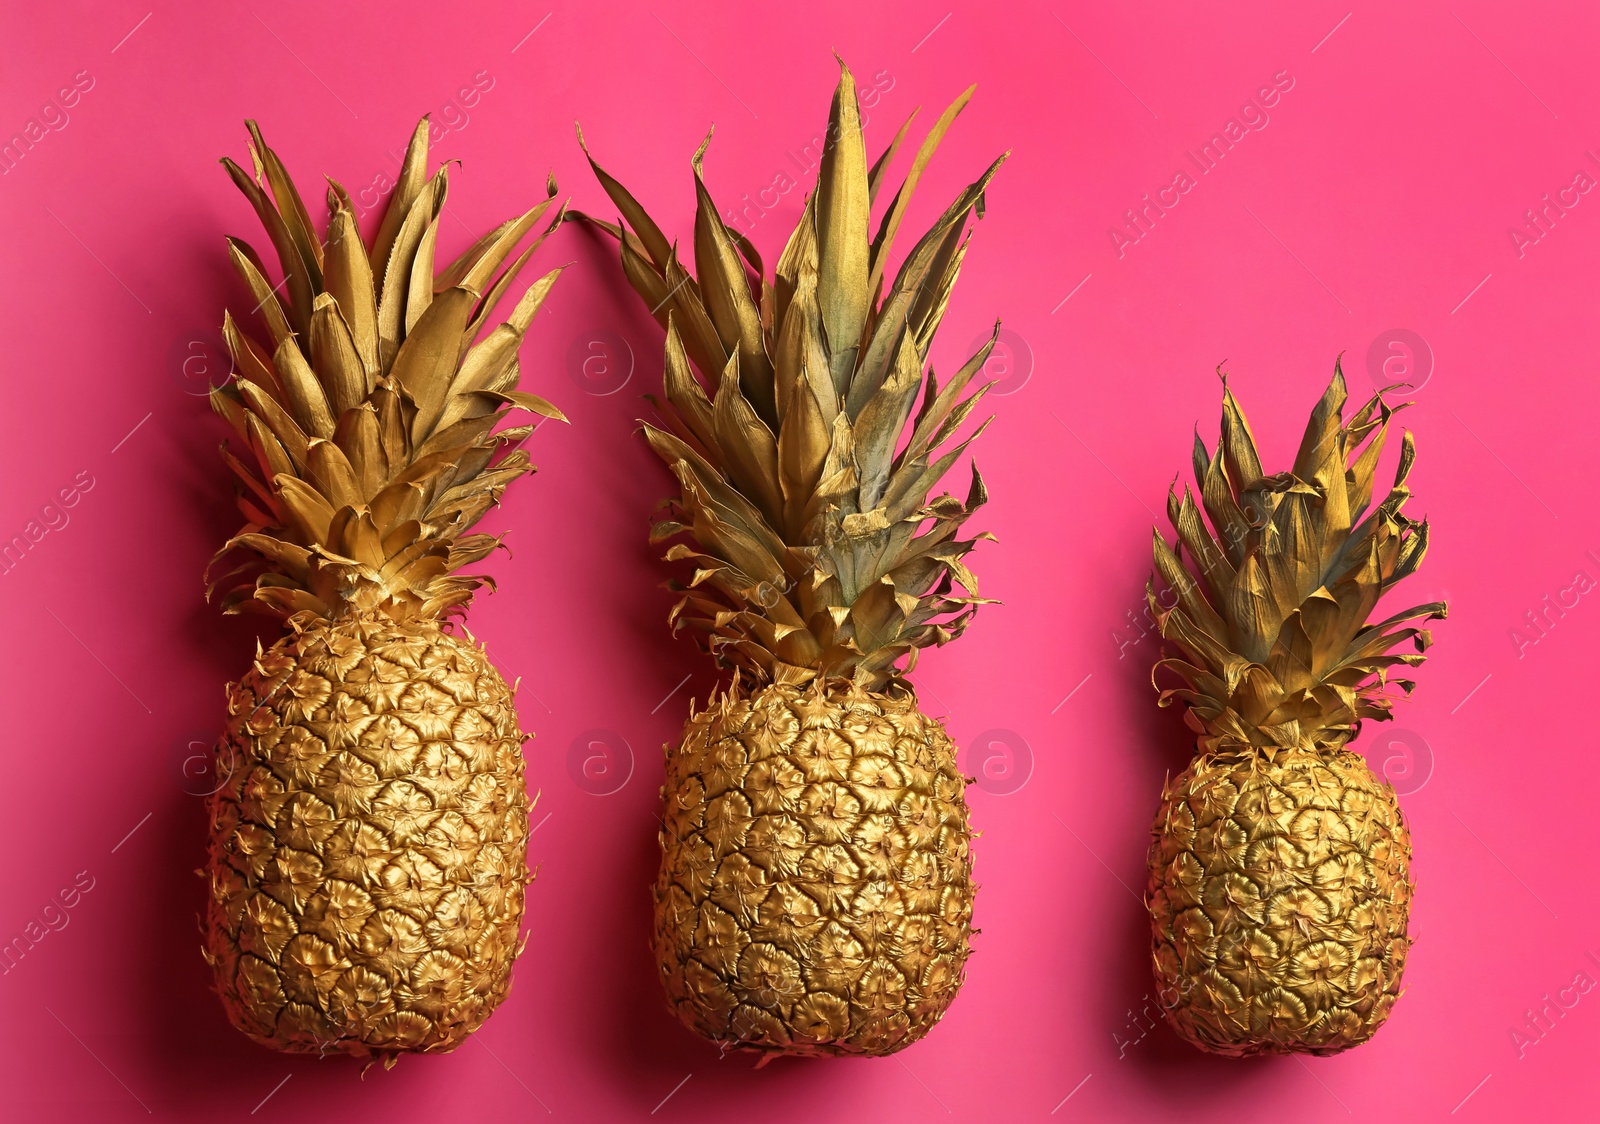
1280,866
368,846
815,894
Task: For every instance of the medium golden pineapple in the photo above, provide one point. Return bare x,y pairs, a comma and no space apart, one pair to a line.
815,894
368,845
1280,866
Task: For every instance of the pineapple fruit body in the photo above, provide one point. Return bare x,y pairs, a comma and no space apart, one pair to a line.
367,857
1278,896
815,894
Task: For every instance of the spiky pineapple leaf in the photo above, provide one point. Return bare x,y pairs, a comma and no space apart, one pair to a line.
1273,613
371,419
818,549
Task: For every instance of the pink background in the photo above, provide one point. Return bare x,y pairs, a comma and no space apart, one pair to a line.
1378,196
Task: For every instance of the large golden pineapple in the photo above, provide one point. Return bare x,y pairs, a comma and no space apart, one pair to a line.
368,842
1280,866
815,894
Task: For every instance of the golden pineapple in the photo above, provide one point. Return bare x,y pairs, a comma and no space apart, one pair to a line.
368,846
1280,866
815,893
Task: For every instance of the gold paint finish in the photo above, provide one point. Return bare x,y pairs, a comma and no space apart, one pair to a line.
1278,898
815,894
368,846
368,851
1279,885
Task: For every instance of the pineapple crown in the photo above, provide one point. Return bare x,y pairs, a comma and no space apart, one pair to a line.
1270,619
369,423
804,502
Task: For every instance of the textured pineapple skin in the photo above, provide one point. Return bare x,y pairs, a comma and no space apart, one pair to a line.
368,847
1278,898
815,894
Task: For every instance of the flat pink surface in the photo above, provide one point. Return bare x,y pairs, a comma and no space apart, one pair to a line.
1376,193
